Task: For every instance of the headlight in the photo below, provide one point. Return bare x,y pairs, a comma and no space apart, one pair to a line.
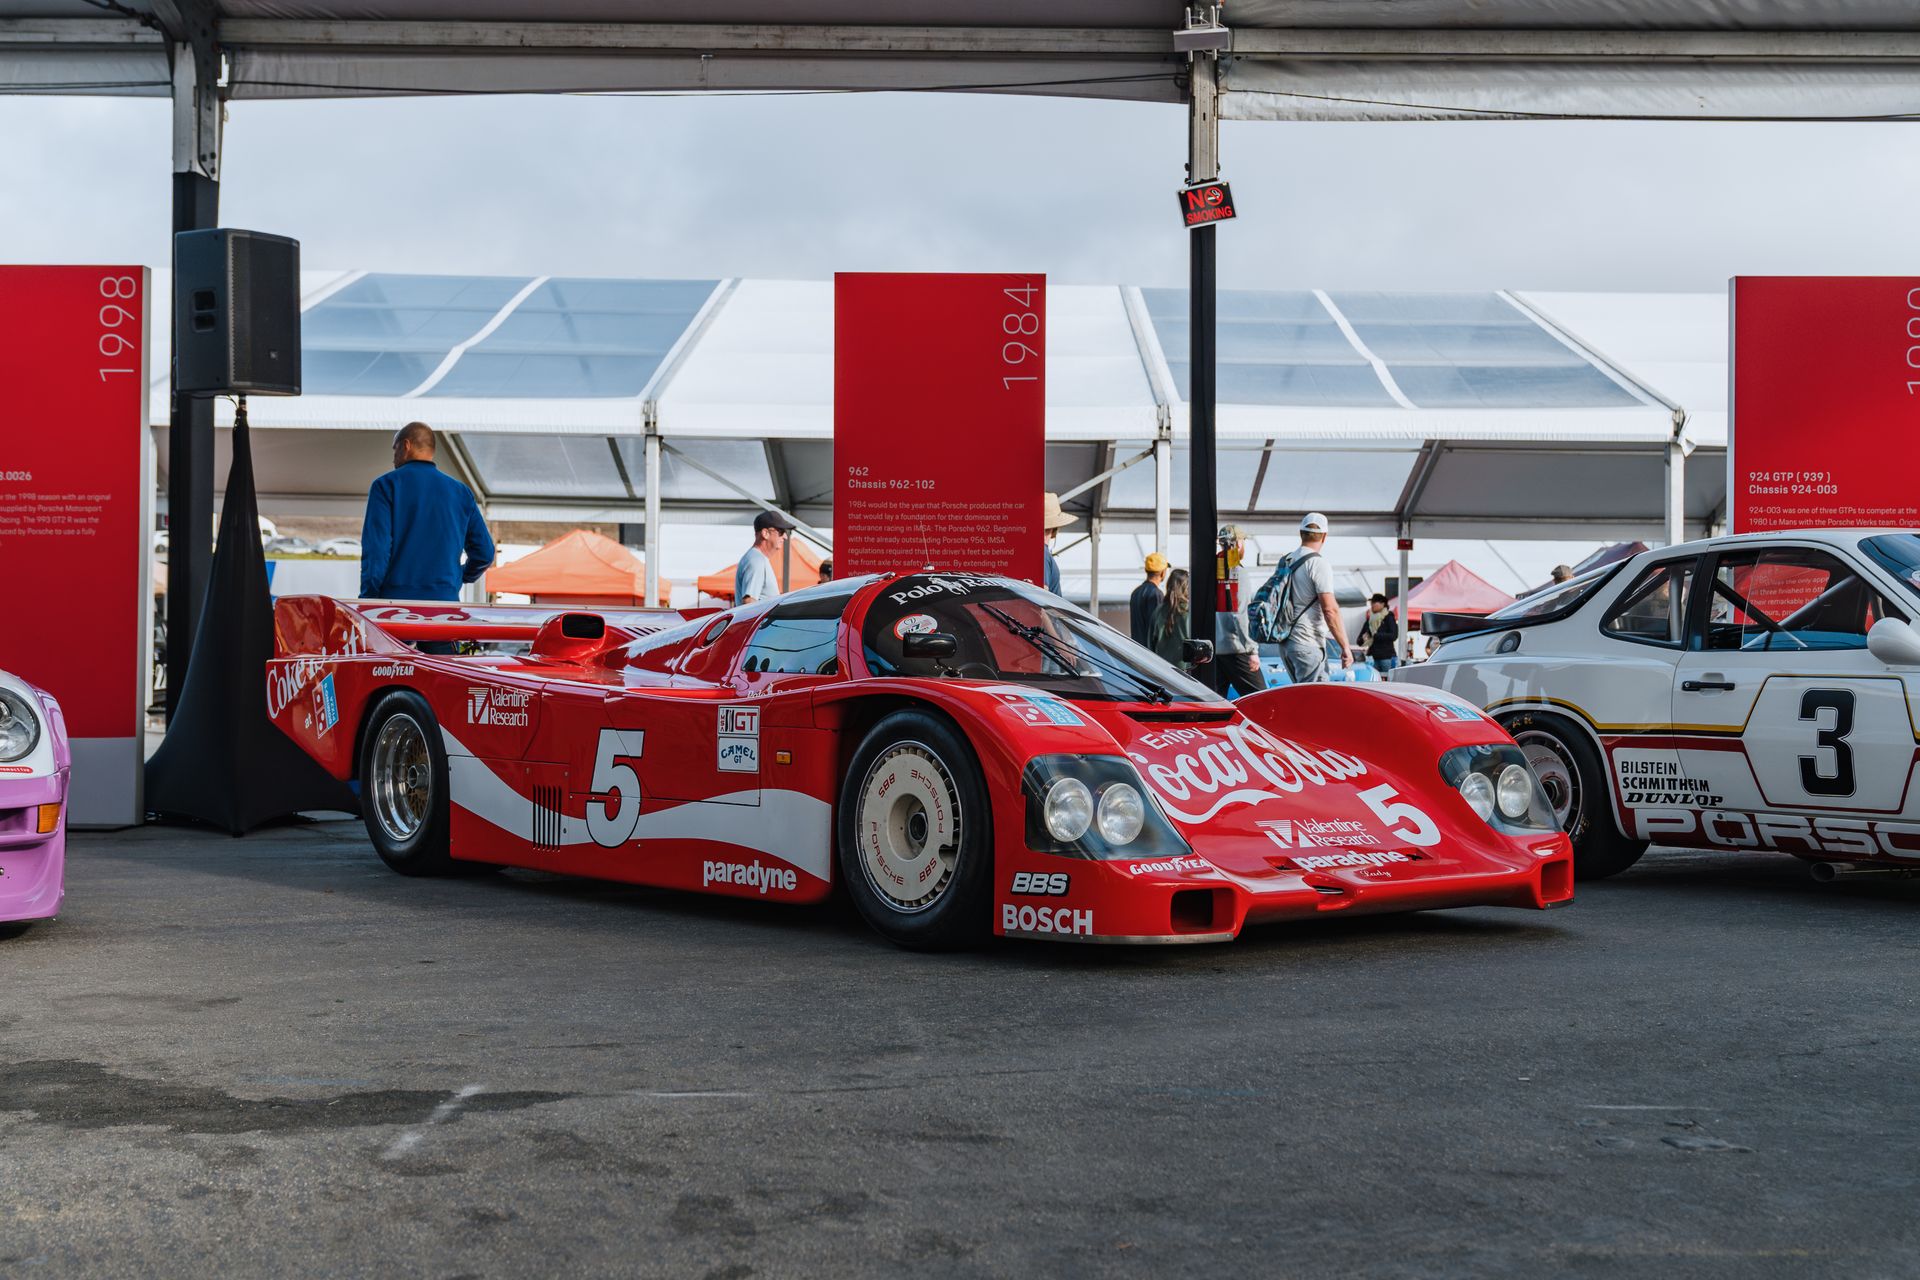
1496,782
19,726
1122,814
1069,810
1514,791
1478,793
1095,807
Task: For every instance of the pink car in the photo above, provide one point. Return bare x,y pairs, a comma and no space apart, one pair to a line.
34,763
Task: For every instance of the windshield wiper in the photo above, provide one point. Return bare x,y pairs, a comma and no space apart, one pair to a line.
1051,647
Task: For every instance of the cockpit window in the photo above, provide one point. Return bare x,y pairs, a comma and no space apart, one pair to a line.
801,634
1008,631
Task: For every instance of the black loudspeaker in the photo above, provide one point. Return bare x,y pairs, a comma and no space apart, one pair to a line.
236,313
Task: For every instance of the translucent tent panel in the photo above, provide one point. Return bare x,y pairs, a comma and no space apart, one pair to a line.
1096,383
383,335
1273,348
1342,476
1133,488
764,366
527,466
1470,350
742,461
1674,342
573,338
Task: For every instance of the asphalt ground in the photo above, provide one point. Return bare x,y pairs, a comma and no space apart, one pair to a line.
272,1057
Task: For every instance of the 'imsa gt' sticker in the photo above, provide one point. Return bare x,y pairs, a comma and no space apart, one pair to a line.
739,750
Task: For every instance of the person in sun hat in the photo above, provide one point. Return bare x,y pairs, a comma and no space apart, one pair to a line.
1052,521
1145,601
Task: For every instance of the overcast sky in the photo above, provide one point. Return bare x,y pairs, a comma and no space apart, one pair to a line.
801,186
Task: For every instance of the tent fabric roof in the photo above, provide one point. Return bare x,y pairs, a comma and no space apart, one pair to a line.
1332,59
579,563
1469,409
1452,588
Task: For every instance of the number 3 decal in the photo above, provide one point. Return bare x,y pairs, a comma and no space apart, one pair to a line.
614,807
1389,808
1840,782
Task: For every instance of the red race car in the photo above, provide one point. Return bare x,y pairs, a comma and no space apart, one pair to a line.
966,755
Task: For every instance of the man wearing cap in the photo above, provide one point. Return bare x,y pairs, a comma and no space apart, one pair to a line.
1145,601
753,577
1052,521
1236,662
1308,603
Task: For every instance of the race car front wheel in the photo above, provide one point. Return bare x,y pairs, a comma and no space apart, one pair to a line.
915,835
403,786
1571,774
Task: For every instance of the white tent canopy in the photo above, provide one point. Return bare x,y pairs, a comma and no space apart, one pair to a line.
1387,410
1331,59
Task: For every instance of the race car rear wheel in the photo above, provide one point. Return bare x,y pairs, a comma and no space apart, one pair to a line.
915,834
403,786
1571,774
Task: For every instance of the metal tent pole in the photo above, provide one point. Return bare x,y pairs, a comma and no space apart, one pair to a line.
1203,165
196,207
653,516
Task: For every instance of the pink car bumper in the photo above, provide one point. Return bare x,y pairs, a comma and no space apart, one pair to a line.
32,861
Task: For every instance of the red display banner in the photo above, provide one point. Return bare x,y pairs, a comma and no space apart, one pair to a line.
939,423
73,513
1825,427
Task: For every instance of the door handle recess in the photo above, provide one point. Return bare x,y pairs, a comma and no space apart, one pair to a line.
1697,686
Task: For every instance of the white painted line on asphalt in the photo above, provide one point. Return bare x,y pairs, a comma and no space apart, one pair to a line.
441,1114
1630,1106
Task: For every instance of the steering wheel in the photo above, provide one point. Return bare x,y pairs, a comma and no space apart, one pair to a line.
976,671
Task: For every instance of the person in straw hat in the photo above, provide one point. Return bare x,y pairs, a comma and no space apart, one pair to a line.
1052,522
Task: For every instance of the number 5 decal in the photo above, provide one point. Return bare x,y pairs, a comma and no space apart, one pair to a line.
614,807
1840,782
1389,808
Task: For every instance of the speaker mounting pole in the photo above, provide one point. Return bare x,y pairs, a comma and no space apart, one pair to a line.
197,109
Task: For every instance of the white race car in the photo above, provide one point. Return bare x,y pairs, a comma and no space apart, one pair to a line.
1751,692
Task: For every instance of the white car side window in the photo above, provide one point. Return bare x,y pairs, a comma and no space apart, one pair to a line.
1654,609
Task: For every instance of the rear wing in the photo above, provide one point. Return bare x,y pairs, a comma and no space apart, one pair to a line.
323,625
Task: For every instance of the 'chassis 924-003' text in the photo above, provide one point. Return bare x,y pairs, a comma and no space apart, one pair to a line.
965,755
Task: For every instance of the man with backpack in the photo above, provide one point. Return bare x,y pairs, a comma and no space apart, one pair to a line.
1296,610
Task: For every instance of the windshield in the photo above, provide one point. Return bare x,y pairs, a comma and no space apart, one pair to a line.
1558,598
1899,555
1007,631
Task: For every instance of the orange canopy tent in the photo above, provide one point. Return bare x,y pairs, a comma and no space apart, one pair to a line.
1452,588
581,567
806,573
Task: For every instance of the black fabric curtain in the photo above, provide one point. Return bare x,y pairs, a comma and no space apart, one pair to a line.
223,762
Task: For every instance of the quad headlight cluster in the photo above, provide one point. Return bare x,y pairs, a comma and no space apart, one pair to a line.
19,726
1094,807
1496,782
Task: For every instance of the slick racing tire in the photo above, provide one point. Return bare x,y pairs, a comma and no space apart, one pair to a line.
403,786
1576,784
914,835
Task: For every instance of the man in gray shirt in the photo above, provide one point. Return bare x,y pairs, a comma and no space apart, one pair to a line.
753,577
1308,600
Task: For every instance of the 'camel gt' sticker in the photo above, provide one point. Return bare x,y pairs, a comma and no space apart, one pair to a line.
914,624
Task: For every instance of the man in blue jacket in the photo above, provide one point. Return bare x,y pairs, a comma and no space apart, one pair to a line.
419,522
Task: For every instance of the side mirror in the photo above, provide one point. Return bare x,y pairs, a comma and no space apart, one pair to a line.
928,644
1895,643
1196,653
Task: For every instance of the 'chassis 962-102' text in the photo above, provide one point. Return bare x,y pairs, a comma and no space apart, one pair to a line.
965,755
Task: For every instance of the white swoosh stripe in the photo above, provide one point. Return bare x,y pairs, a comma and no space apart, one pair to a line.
789,826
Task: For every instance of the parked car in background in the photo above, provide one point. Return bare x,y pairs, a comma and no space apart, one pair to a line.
341,547
1750,692
34,767
289,547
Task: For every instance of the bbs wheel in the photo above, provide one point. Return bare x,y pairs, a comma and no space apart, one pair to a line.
1576,784
914,837
403,786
